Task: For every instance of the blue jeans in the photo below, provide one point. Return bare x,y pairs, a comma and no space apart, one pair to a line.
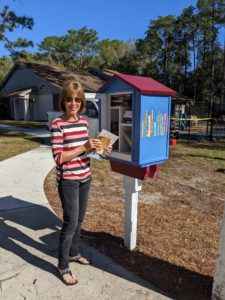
74,198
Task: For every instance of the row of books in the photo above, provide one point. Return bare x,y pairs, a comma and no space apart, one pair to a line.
117,102
122,100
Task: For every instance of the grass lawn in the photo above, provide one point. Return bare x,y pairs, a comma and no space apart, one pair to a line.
24,124
13,143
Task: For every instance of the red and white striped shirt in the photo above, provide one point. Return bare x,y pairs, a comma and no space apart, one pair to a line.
66,136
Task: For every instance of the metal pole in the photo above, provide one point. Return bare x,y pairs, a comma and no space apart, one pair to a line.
189,127
211,130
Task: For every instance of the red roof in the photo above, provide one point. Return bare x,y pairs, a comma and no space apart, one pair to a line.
145,85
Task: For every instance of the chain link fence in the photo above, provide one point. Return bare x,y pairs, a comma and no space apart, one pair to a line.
195,122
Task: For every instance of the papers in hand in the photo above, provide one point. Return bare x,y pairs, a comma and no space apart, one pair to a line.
108,139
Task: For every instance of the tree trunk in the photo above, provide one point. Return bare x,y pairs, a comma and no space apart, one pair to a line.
222,99
165,64
194,77
185,66
211,92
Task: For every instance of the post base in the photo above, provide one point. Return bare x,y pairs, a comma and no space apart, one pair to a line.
133,171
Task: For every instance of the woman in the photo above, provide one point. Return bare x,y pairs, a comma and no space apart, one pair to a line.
70,142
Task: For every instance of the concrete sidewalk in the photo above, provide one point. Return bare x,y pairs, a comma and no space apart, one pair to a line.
29,231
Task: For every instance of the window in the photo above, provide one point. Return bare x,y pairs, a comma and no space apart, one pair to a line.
91,110
55,101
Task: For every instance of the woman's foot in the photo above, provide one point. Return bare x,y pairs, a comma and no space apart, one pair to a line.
67,277
80,259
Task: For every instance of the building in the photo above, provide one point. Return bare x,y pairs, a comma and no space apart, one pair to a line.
32,89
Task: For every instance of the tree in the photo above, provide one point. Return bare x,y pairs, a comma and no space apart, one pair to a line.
83,45
184,52
76,49
56,49
212,15
130,60
158,47
25,56
185,36
9,21
5,65
222,98
111,53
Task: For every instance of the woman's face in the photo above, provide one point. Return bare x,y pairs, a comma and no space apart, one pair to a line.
72,104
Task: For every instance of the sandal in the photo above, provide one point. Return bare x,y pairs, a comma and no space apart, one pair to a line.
63,274
80,260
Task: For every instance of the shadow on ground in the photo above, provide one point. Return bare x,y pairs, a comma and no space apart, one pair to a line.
26,230
31,232
178,282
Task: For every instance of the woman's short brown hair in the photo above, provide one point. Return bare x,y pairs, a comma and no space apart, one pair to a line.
68,90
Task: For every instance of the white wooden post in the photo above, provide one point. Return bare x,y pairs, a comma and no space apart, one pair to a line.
218,292
132,186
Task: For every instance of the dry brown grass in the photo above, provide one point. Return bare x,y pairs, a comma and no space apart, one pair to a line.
179,217
13,143
24,124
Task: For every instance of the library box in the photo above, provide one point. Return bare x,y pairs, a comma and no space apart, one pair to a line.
137,109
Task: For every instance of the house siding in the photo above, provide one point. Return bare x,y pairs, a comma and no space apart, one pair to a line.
44,104
33,89
35,105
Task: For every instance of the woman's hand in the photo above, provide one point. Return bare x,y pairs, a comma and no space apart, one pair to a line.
92,144
108,150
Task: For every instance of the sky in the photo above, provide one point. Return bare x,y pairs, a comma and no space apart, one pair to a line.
112,19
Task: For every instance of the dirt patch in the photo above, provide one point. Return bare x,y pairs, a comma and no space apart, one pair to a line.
179,216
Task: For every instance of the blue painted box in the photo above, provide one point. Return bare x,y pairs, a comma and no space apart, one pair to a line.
137,109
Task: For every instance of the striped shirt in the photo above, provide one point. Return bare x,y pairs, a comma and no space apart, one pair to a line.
66,136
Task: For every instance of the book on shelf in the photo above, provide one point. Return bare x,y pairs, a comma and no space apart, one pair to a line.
127,113
121,100
127,120
127,103
116,102
127,116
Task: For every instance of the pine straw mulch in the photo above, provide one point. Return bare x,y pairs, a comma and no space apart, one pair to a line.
179,217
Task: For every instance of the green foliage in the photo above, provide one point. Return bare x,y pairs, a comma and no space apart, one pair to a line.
158,49
19,43
9,21
81,49
83,46
54,48
184,53
112,52
25,56
5,65
76,49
